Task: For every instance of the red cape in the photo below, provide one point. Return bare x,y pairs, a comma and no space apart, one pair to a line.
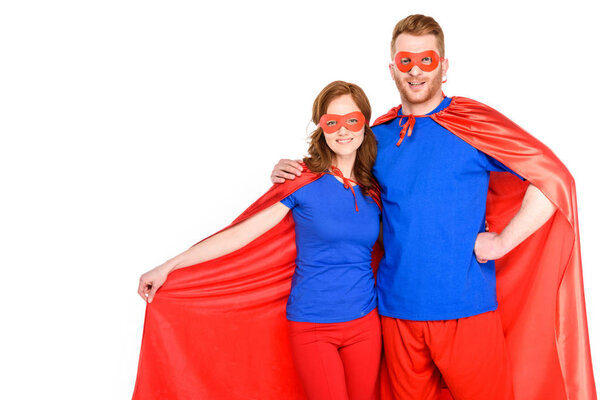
217,330
539,283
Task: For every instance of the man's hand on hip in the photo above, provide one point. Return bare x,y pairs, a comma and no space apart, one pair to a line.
535,211
489,246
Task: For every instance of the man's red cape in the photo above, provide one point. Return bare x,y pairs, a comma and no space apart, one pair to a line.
217,330
539,283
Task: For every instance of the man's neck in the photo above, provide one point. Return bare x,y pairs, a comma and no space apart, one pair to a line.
421,108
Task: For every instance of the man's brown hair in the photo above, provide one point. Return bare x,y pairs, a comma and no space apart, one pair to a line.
419,25
320,156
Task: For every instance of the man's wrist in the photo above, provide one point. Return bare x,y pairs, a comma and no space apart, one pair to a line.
504,243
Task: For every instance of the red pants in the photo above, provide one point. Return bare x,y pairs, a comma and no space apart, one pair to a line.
339,360
469,354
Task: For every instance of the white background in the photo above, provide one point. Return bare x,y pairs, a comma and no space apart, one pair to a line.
132,129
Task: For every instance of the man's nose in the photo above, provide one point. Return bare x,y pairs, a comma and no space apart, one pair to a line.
415,71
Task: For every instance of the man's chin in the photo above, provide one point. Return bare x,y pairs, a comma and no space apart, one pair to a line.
416,98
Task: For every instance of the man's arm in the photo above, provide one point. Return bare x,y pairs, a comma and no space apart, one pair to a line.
535,210
285,169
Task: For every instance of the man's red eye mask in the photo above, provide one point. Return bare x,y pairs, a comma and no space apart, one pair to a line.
426,60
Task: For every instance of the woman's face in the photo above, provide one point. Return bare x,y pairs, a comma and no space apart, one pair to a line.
344,142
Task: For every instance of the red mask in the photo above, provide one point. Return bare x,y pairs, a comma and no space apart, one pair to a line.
353,121
426,60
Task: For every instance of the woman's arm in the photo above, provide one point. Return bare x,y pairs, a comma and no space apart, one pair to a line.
218,245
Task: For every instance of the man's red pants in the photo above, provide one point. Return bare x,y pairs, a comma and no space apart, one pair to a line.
338,361
468,354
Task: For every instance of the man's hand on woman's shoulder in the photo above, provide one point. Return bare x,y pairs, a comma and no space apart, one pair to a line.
286,169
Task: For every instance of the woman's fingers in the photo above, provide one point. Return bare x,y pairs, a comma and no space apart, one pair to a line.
152,293
150,282
144,288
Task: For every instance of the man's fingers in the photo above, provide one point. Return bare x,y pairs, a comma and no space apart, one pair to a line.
284,175
289,166
286,169
294,167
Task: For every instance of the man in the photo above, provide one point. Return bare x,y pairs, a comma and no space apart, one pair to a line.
436,282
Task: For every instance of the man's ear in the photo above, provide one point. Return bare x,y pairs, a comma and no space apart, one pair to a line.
445,66
391,68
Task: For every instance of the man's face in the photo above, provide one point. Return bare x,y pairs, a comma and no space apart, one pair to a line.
417,86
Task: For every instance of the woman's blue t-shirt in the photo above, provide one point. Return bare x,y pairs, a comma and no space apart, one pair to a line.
333,280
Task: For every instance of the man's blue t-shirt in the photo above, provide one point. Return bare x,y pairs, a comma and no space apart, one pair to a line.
333,280
433,189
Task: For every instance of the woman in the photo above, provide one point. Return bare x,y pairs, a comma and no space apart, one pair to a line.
333,326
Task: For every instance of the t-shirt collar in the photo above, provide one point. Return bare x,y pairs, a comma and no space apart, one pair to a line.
443,104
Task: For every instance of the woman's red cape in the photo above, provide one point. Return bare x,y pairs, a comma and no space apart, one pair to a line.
217,330
539,283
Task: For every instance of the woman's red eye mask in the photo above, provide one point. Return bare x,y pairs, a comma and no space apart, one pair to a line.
426,60
353,121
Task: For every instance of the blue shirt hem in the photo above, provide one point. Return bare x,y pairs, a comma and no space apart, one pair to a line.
331,320
436,317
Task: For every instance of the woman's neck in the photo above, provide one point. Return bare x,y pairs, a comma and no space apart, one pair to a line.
345,164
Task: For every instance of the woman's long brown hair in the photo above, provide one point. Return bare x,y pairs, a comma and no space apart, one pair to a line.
320,156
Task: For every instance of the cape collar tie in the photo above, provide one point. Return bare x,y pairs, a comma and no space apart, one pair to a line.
407,128
335,171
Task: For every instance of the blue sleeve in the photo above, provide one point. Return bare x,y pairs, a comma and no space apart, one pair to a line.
491,164
289,202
